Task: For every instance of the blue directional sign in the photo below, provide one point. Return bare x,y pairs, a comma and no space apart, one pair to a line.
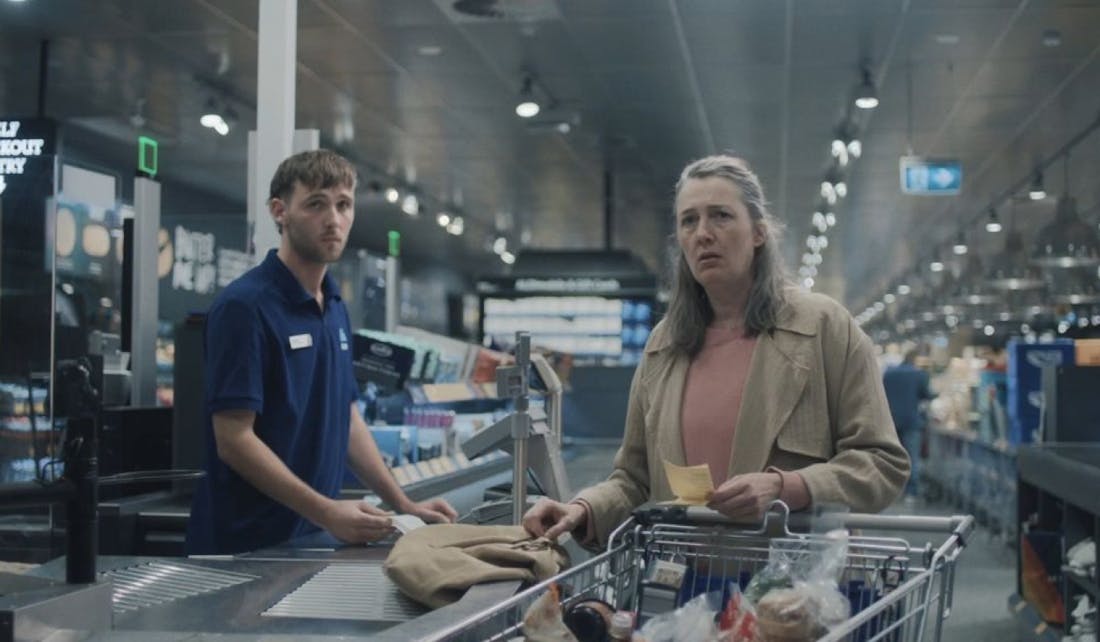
930,177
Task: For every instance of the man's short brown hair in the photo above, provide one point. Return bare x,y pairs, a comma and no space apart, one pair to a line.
317,169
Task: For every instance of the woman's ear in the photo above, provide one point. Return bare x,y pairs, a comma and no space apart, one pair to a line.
758,236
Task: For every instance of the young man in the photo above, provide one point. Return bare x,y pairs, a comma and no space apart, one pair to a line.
280,393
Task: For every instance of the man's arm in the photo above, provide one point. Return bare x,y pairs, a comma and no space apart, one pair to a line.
243,451
367,464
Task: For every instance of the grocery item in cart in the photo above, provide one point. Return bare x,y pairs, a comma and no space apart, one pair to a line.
543,621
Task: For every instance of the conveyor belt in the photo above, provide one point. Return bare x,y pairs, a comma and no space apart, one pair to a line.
348,592
144,585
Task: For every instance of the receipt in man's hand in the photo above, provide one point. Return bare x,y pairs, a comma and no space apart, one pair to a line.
692,485
406,523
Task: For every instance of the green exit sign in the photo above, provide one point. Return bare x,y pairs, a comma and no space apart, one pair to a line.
394,238
147,156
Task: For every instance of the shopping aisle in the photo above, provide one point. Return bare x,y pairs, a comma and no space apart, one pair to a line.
986,574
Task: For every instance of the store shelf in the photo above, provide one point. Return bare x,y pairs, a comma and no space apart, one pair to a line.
1058,471
1082,581
1031,625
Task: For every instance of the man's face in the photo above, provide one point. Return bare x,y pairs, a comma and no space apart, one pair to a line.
316,222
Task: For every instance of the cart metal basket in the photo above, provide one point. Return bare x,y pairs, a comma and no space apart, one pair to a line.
900,591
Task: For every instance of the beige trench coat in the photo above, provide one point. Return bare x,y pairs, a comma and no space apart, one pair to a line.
813,403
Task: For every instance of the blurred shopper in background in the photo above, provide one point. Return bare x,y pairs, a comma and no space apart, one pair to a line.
906,389
774,388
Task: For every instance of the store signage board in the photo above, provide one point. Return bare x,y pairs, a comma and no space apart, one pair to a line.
930,176
22,143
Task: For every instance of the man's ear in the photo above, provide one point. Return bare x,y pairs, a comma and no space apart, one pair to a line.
277,208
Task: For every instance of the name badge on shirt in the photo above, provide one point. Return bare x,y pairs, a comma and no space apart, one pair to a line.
299,341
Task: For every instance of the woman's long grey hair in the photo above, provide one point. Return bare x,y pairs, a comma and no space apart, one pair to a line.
689,310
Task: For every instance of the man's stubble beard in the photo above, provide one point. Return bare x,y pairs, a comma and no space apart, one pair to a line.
311,252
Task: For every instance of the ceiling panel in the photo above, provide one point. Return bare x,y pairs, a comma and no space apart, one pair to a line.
733,35
635,44
620,76
951,36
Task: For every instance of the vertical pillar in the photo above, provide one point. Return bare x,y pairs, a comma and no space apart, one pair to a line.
275,92
144,304
393,293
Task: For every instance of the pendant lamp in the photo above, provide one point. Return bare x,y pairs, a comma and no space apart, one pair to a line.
1067,241
1011,270
971,287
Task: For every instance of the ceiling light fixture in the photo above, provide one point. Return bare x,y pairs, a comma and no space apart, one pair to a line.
866,95
960,247
1073,287
410,205
500,245
846,144
457,226
507,257
212,118
392,195
993,225
936,265
443,218
904,289
1067,241
1010,269
1037,192
527,107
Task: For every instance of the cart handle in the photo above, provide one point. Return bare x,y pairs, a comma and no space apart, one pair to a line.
959,525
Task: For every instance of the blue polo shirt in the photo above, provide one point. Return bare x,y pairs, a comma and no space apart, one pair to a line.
270,349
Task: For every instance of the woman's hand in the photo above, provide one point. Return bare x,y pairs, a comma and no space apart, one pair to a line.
746,496
549,519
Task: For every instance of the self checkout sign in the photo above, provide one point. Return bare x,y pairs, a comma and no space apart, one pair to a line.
22,144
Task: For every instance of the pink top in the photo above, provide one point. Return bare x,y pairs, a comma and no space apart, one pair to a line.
708,416
711,403
712,399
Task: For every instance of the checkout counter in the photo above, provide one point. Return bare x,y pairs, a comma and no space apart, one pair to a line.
311,588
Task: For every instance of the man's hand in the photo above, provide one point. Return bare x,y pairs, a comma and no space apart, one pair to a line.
746,496
433,511
356,521
549,519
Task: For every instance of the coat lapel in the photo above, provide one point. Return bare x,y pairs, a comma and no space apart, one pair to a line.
777,378
670,434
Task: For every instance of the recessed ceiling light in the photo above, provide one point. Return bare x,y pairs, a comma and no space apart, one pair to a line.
1052,38
429,50
947,38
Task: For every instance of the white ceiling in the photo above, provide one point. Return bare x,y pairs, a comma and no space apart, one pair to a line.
654,84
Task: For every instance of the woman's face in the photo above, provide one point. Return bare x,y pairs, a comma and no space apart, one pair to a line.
716,232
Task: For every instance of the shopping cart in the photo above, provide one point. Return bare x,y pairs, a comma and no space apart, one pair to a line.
899,591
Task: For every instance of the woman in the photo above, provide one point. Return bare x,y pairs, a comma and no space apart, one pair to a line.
775,389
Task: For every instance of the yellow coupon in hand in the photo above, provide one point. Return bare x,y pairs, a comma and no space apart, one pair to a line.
692,485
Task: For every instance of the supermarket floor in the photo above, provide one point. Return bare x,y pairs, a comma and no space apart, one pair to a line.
986,574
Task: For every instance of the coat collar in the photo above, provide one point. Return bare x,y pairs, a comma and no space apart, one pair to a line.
780,367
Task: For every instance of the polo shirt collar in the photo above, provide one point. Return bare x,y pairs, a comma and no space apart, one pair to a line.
288,286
